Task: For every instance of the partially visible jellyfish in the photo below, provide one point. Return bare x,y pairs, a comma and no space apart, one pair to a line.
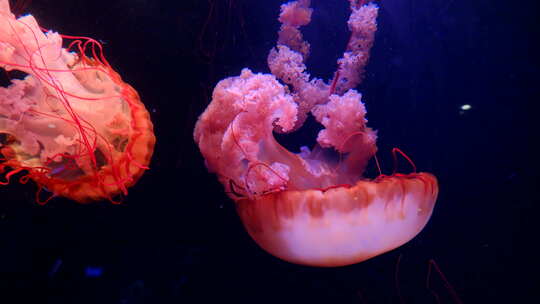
71,122
310,208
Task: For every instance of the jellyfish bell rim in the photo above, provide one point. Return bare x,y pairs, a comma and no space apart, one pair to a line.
340,226
103,185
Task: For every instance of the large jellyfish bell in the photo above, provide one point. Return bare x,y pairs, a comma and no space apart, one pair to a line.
307,208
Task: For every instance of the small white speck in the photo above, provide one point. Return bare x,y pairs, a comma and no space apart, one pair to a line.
52,126
466,107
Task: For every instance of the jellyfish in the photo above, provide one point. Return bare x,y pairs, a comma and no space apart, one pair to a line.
312,207
66,117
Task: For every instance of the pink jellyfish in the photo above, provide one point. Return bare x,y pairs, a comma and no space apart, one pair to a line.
309,208
71,123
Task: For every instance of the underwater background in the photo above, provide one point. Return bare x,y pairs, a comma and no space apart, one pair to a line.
177,238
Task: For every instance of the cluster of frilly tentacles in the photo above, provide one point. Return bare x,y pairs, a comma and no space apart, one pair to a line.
235,133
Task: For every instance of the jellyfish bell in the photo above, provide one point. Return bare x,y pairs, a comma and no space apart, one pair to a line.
309,208
71,123
342,225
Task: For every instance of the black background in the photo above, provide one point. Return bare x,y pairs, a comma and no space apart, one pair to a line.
177,238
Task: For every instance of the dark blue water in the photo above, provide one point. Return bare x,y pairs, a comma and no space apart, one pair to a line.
177,238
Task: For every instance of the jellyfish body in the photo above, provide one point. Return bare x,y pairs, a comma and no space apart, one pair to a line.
312,207
71,123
